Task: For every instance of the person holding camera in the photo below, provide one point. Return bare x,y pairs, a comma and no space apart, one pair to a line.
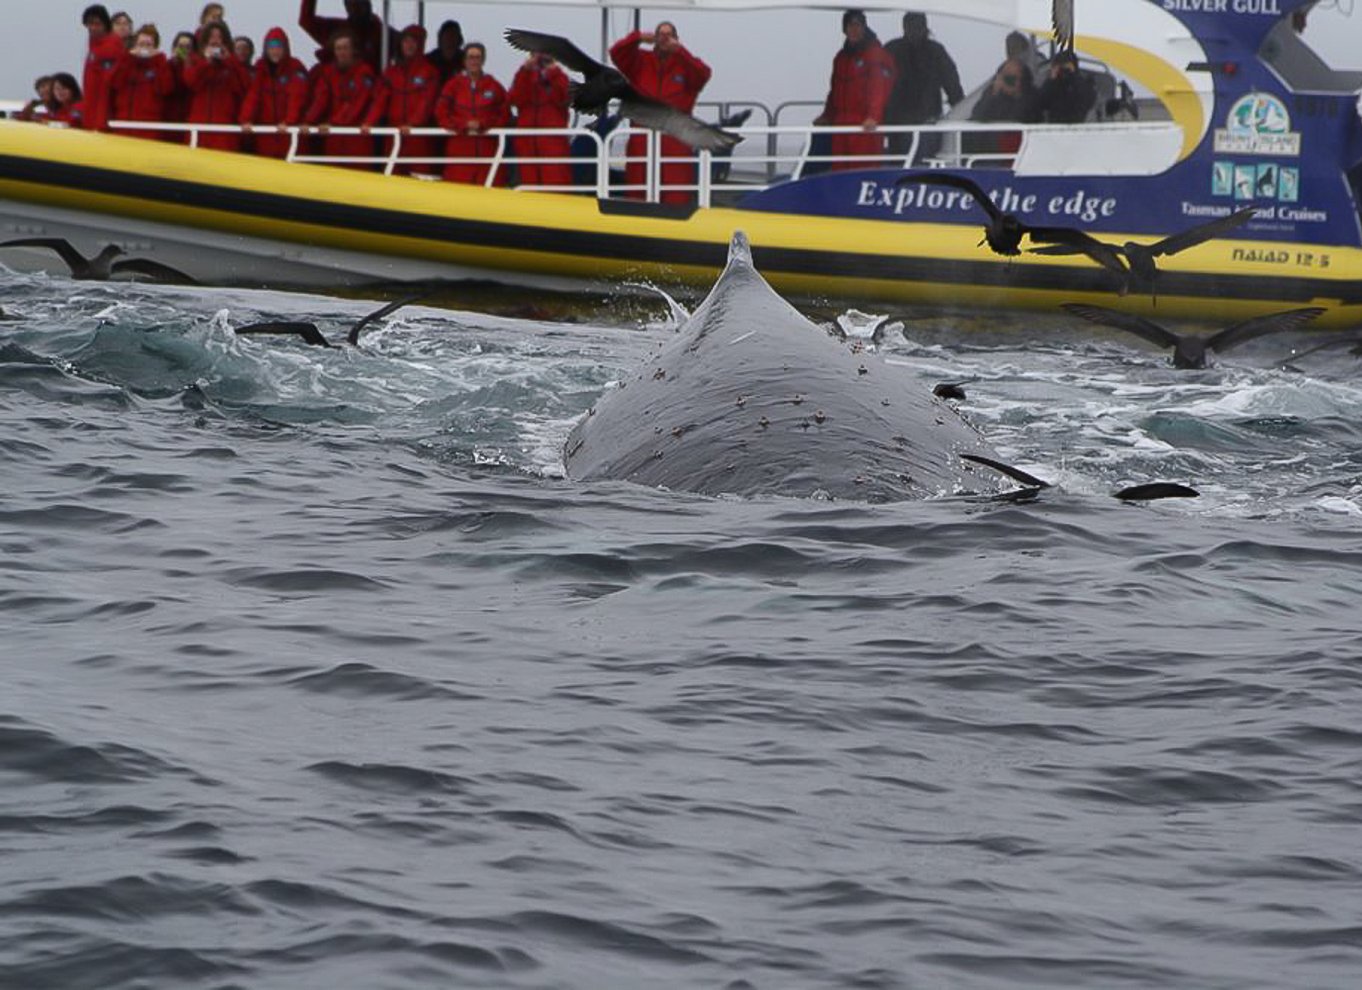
670,73
217,83
539,94
142,82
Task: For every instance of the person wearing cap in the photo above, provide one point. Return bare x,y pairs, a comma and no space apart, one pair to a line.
670,73
407,99
924,74
447,55
539,94
1068,95
217,84
862,79
277,97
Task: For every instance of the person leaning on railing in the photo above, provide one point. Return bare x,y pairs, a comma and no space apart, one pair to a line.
341,97
217,83
471,104
539,94
406,100
862,78
141,82
277,97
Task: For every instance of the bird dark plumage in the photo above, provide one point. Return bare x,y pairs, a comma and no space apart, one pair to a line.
1140,258
602,83
1189,350
1004,231
1062,21
313,335
102,266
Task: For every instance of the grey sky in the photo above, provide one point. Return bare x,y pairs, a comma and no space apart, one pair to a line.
767,56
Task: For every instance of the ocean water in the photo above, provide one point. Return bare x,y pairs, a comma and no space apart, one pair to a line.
317,673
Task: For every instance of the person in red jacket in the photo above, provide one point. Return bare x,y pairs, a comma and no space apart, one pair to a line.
106,49
344,92
177,103
141,83
39,108
862,79
277,97
364,25
69,108
539,94
218,83
471,104
407,99
669,73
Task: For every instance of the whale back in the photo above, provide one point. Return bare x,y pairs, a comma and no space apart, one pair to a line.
751,398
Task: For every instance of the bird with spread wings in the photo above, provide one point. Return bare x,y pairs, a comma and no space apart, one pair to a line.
602,83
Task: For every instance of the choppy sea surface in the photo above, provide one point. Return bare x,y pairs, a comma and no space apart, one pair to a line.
317,673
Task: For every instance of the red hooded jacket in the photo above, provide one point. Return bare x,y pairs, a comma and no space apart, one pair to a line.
462,101
103,57
140,87
342,98
278,95
217,86
540,97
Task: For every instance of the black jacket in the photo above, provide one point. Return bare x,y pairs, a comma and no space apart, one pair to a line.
925,71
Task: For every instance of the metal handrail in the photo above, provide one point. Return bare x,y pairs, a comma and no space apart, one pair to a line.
608,150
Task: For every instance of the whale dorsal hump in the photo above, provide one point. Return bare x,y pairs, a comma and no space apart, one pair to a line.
739,249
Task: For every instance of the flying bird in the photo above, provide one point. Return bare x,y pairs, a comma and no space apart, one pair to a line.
102,266
1004,231
1189,350
1141,258
313,336
603,83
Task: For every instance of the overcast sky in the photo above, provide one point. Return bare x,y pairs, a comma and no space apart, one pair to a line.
767,56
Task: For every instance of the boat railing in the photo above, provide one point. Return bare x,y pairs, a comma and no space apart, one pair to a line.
769,155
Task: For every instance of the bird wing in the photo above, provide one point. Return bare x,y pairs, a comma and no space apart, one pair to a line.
1129,322
353,336
1337,340
1062,20
308,331
1016,474
1202,232
938,178
73,258
1066,240
155,269
551,44
658,116
1291,319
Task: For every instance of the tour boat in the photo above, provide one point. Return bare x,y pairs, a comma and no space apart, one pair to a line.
1234,110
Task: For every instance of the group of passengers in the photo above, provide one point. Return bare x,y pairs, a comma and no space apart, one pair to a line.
905,81
211,77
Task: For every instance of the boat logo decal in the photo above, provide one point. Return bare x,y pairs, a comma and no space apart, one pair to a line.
1258,124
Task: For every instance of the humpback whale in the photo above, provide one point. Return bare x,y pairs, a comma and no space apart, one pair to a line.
751,398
